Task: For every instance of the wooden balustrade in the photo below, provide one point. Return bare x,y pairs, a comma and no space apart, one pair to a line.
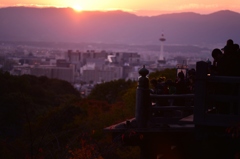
207,113
217,98
216,101
154,109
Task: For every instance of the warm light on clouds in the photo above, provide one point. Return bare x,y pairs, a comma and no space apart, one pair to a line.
136,6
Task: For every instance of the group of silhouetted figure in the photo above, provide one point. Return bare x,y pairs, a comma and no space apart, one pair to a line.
182,85
226,61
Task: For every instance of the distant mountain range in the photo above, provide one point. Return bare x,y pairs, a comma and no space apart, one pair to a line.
66,25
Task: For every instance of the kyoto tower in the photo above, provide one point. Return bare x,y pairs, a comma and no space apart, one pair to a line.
161,59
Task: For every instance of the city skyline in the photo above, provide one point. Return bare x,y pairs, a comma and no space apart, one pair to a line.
140,7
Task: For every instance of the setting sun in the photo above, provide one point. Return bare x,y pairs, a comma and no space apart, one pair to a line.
77,8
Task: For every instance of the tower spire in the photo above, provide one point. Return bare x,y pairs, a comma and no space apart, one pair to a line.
161,59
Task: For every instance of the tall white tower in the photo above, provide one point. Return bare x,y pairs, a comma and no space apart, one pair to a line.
161,59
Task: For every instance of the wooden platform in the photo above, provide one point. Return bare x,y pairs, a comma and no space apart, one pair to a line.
184,125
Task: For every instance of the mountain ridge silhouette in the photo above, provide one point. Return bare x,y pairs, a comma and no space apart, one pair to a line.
66,25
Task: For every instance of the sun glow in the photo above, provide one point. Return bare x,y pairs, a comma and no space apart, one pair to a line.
77,8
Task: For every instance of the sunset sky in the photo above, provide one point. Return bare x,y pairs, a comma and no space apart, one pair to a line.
140,7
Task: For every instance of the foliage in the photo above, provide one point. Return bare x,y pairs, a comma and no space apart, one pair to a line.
129,152
43,91
167,73
110,91
129,100
25,99
46,118
87,151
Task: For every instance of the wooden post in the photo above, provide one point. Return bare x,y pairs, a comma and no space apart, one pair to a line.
143,102
200,92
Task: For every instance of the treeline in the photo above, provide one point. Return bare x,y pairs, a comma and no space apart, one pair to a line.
46,118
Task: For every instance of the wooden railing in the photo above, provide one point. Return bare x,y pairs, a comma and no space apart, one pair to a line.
217,98
156,109
216,101
170,108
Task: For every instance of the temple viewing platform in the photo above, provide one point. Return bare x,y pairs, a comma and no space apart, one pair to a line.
201,125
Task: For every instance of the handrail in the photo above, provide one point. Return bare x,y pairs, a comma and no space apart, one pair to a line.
204,104
173,108
223,79
171,96
217,98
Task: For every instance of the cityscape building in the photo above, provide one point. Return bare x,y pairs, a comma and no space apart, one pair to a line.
90,66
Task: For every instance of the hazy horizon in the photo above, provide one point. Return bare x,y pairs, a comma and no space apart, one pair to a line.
140,7
136,12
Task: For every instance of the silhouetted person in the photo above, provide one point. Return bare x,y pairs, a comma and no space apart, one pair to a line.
158,89
229,42
181,88
229,64
170,86
216,55
229,46
235,47
155,87
191,80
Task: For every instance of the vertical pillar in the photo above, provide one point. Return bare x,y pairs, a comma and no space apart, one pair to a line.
200,92
143,102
